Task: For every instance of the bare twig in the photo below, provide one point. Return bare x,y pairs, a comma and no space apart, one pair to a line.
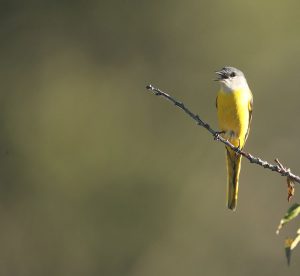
279,168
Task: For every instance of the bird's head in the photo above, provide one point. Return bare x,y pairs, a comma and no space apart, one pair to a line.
231,79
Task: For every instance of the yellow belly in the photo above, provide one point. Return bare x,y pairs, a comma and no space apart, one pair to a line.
233,115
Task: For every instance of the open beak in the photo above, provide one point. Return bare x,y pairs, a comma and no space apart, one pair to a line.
220,76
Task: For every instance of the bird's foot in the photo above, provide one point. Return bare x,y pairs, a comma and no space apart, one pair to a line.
218,133
238,148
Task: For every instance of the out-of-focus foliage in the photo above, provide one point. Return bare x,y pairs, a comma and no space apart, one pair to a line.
296,240
290,243
291,213
100,178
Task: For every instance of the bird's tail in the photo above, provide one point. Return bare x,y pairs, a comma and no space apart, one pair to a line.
233,173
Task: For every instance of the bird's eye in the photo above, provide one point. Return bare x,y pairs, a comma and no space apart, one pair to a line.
232,74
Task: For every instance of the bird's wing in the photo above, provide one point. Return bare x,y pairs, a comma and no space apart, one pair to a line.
250,109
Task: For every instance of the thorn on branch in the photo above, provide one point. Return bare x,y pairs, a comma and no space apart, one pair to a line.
279,164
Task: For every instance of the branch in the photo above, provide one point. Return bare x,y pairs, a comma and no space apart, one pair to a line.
279,168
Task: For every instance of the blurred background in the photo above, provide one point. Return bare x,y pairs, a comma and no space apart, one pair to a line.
99,177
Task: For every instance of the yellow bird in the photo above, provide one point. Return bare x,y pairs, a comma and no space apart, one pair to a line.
234,107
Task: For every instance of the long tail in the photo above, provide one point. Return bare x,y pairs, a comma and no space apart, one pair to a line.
233,173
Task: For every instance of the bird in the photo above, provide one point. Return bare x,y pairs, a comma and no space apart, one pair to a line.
234,105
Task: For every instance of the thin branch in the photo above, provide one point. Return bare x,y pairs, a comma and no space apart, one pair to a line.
279,168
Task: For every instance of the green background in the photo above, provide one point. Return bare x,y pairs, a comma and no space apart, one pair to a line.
99,177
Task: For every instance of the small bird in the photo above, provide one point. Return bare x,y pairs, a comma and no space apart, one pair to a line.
234,108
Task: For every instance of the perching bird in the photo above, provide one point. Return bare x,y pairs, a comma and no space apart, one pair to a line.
234,107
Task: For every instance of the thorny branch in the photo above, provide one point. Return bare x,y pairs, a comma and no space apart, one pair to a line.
279,168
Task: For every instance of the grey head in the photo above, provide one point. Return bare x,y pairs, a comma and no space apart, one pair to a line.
231,79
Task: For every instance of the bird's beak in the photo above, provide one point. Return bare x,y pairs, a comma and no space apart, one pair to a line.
220,75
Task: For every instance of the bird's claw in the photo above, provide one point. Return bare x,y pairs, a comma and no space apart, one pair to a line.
217,134
238,148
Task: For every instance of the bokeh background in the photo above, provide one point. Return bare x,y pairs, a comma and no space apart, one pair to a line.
99,177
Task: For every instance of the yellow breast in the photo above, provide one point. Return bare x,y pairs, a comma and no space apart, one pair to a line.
233,114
